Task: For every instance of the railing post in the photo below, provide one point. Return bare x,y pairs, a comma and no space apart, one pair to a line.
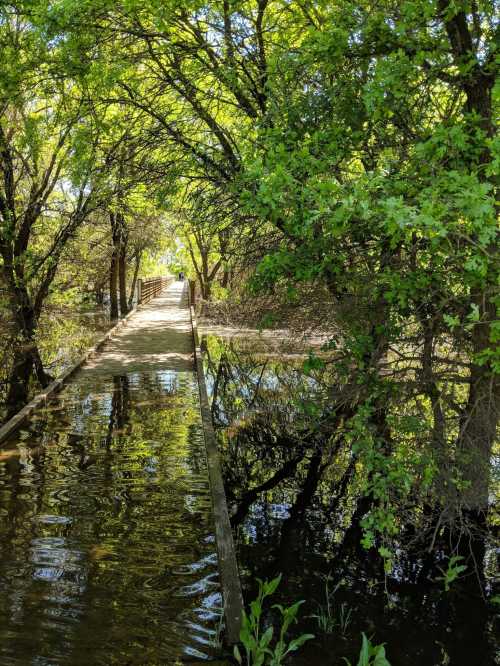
192,292
139,291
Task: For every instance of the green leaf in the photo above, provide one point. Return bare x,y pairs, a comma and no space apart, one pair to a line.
380,658
270,588
256,609
237,654
297,642
364,655
266,637
385,552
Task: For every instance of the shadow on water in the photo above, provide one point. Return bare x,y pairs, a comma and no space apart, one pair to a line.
296,501
107,552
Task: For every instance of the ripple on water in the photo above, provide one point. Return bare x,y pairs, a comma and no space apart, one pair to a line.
54,520
106,536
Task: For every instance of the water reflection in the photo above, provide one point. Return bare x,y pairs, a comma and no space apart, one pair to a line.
62,335
296,503
107,553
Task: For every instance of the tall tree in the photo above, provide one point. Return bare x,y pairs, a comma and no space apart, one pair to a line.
360,139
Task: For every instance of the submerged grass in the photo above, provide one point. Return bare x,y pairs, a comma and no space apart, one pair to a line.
327,617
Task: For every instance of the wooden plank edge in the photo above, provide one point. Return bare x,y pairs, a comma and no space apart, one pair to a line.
226,553
18,419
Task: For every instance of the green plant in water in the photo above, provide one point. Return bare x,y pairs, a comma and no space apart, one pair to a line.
370,655
326,617
452,572
257,644
344,618
216,639
326,623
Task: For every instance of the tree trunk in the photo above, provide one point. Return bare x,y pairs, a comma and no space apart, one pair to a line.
205,282
27,360
138,257
206,290
122,273
113,287
225,278
122,264
113,269
480,419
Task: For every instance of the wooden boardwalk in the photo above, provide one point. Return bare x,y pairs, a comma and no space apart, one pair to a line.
162,336
158,336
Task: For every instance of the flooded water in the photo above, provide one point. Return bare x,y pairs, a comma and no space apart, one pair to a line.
107,552
63,335
293,499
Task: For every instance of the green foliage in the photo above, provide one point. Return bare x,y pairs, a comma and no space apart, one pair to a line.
258,648
453,571
348,148
341,147
370,655
313,363
328,616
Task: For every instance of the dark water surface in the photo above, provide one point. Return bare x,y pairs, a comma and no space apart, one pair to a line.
293,510
107,552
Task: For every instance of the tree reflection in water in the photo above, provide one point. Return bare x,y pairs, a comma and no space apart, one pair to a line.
296,494
107,552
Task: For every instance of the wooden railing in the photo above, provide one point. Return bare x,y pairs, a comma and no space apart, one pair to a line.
151,287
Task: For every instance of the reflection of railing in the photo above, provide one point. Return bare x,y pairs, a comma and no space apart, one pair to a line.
151,287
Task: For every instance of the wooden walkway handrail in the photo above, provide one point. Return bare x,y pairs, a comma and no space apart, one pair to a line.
148,288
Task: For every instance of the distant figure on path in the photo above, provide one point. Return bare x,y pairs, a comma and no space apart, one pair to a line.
181,276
